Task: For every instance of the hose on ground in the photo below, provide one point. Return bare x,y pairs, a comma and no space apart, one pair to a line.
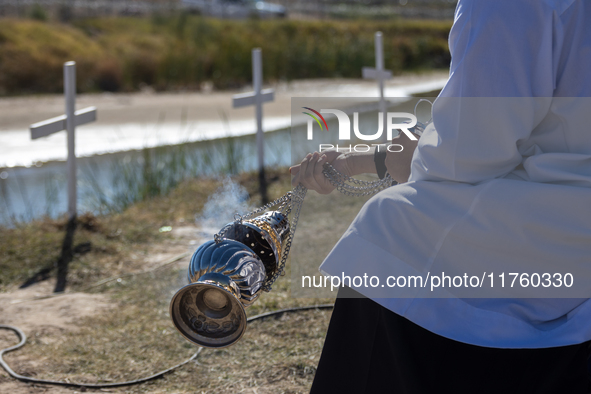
28,379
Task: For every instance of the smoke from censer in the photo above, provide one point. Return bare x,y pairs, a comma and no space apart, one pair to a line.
220,208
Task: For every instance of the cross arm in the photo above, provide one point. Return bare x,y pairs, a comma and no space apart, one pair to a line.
372,73
245,99
53,125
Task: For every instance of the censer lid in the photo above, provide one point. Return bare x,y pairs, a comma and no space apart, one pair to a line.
264,235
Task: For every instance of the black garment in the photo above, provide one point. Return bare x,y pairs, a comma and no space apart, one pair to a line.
369,349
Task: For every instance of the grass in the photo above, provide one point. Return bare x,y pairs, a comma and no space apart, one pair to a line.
153,195
183,51
135,337
30,247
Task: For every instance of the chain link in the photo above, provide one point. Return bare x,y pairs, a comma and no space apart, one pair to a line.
355,187
284,208
283,200
292,202
297,200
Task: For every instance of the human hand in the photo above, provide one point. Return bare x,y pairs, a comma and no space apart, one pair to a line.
309,171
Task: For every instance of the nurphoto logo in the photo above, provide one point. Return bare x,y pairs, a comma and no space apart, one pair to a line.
402,121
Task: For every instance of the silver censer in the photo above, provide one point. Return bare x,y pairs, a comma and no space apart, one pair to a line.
228,274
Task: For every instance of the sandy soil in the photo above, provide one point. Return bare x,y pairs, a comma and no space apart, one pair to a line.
57,316
148,107
54,316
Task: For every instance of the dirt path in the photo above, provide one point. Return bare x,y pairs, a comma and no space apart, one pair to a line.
17,113
57,316
49,317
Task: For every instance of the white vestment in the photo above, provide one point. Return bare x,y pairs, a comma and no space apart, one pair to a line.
502,180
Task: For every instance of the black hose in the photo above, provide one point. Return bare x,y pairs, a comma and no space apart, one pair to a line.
27,379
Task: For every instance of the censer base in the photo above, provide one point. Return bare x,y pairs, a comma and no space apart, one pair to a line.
208,315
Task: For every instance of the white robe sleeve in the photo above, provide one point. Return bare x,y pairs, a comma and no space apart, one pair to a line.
502,57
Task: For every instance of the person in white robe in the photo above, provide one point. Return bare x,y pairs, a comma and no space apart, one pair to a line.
500,180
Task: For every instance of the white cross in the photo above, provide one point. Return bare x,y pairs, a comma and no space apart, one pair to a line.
379,73
67,122
256,98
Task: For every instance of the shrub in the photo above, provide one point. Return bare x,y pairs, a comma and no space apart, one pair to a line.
185,50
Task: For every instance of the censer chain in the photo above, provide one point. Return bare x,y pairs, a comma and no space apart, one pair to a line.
296,197
354,187
343,183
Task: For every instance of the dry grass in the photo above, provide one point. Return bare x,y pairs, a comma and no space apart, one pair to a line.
136,337
32,55
30,248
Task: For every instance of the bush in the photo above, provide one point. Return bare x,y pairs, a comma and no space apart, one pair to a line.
38,13
109,75
185,50
32,56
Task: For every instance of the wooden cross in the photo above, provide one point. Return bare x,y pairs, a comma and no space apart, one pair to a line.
257,98
379,73
67,122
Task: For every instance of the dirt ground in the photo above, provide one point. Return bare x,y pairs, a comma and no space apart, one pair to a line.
51,320
53,316
57,316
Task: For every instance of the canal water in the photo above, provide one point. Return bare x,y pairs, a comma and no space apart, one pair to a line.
110,182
